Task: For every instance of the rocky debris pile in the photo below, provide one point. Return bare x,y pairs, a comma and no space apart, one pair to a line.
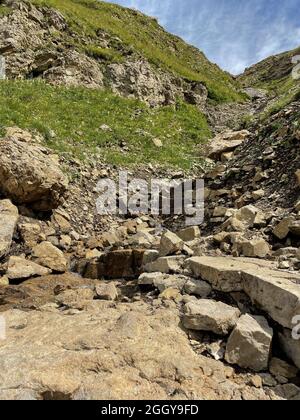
223,145
253,197
37,42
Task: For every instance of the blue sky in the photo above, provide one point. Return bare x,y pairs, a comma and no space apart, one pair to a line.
232,33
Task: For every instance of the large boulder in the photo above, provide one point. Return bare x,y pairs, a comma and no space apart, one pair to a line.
8,221
209,315
225,142
28,175
249,345
274,292
20,268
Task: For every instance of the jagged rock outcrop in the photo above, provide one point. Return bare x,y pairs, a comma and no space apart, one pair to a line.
37,42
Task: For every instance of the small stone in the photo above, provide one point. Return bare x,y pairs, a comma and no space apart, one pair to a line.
189,234
268,380
257,195
170,281
284,265
198,288
150,256
4,281
149,279
165,265
9,217
171,294
170,244
256,381
295,228
106,291
157,142
30,233
255,248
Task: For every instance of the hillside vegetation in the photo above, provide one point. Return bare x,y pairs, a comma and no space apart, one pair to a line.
71,121
143,35
274,74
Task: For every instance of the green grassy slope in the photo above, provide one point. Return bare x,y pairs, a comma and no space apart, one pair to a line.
77,114
143,35
274,73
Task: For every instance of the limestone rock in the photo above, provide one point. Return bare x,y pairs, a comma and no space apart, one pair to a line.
165,265
281,231
189,234
171,294
247,215
255,248
29,176
170,244
281,368
249,345
197,287
76,298
31,233
170,281
8,221
209,315
223,274
4,281
298,176
149,279
106,291
49,256
102,354
290,346
224,143
20,268
295,228
274,292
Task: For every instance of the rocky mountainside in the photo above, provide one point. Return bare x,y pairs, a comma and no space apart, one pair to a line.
273,70
97,44
142,306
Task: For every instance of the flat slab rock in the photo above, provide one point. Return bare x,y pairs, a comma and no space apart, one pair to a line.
276,292
110,351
